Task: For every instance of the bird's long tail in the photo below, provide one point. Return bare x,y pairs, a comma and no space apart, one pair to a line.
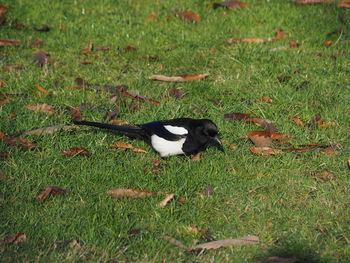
128,130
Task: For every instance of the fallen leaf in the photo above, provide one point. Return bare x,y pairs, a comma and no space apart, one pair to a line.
102,48
328,43
345,4
76,151
76,114
141,98
298,121
232,4
248,240
349,161
37,43
189,16
247,40
279,34
293,44
44,108
9,42
134,193
42,90
278,260
265,99
18,238
183,78
174,242
328,124
22,144
177,93
265,151
166,200
85,62
48,130
41,58
324,176
181,200
43,28
122,145
2,83
130,48
151,17
232,146
88,49
150,58
106,88
3,11
311,2
260,138
138,150
4,102
111,115
51,190
15,67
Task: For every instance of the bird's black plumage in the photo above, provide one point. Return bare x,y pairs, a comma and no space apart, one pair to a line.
170,137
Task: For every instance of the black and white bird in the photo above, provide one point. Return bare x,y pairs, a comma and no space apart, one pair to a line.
170,137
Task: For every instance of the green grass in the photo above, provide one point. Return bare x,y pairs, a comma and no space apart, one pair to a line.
275,198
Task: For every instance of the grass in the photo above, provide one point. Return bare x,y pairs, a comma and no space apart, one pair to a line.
275,198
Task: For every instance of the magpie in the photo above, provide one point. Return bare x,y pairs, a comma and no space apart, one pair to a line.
170,137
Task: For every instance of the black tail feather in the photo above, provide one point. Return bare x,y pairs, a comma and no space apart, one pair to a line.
131,131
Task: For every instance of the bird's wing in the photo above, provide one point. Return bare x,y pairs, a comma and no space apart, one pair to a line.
164,130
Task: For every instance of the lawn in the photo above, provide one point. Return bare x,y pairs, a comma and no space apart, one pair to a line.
284,199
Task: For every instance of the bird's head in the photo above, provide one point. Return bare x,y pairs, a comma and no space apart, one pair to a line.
207,132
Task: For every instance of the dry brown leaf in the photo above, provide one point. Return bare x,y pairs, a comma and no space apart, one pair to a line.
85,62
265,151
15,67
231,4
265,99
2,83
177,93
324,176
141,98
345,4
76,151
151,17
42,90
294,44
279,34
134,193
175,242
22,144
260,138
51,190
232,146
166,200
139,150
48,130
3,11
311,2
189,16
122,145
102,48
183,78
328,43
181,200
76,114
298,121
37,43
88,49
278,260
248,240
130,48
9,42
349,161
328,124
247,40
18,238
45,108
4,102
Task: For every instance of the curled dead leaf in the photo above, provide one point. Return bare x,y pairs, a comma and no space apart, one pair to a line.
189,16
9,42
22,144
134,193
122,145
166,200
15,67
196,157
141,98
76,151
265,99
42,90
298,121
294,44
151,17
260,138
45,108
328,43
324,176
182,78
51,190
345,4
88,49
248,240
76,114
119,122
265,151
279,34
17,238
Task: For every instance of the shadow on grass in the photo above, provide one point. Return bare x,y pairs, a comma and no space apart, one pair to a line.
300,252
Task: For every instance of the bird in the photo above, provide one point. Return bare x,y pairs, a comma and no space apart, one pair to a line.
180,136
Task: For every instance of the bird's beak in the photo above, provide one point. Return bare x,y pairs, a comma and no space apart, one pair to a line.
216,143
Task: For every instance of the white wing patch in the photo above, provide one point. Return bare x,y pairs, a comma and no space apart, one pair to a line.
176,130
167,148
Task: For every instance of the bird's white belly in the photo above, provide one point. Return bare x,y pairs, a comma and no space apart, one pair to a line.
167,148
